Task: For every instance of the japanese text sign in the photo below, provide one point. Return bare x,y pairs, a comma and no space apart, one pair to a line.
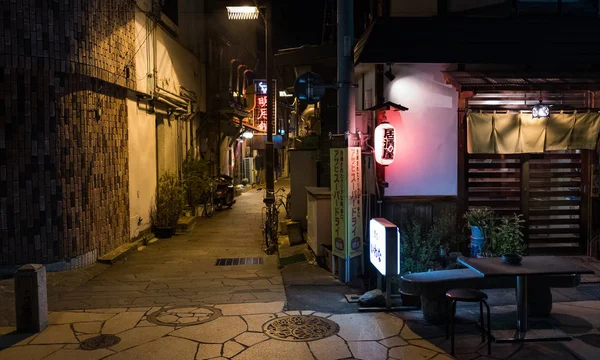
384,247
346,202
260,105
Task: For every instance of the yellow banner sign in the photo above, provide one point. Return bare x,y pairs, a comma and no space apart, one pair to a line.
346,202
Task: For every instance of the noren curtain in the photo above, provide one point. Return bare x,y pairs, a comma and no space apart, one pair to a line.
520,133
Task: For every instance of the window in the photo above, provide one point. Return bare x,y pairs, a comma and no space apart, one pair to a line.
171,9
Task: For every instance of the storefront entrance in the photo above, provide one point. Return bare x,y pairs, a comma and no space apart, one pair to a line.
551,190
512,164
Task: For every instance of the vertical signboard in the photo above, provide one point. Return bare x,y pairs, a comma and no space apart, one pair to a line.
346,202
355,230
384,239
260,105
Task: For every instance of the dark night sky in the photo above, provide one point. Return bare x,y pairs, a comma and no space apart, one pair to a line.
297,22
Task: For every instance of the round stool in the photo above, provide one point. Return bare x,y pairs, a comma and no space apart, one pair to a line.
468,295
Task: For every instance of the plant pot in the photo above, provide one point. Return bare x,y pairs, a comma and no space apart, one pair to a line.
477,241
410,300
164,232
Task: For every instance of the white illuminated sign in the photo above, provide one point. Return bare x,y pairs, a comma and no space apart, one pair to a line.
384,246
385,143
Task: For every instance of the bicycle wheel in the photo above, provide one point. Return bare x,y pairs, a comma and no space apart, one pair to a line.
209,208
267,233
288,198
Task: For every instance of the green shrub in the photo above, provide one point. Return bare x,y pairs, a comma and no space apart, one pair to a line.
420,247
196,177
169,201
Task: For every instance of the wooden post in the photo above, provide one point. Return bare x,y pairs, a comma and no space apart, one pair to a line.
585,218
525,194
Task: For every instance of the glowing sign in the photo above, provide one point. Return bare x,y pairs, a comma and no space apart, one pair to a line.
385,143
384,249
260,108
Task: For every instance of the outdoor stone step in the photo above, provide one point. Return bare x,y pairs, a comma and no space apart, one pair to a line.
120,252
186,224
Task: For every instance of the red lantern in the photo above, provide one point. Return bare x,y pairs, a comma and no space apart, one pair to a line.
385,143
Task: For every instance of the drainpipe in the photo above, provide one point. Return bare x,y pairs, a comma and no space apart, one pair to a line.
238,80
232,62
245,85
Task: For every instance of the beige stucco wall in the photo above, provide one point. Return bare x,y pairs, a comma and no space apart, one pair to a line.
142,166
159,141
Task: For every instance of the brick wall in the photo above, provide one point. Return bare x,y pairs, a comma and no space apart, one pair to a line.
63,127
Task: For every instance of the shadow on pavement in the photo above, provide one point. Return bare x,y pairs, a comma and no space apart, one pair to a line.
309,287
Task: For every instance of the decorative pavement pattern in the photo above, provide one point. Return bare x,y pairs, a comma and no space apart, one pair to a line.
239,333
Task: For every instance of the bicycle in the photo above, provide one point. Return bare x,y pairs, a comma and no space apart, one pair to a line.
207,200
270,223
283,200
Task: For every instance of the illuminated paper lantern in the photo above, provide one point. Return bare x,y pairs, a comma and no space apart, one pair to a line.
385,143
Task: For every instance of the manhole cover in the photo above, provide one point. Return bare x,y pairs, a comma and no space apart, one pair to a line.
300,328
184,315
100,342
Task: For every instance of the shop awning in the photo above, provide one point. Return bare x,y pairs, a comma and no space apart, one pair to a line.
470,40
514,133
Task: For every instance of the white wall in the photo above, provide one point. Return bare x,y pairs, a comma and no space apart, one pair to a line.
427,134
142,166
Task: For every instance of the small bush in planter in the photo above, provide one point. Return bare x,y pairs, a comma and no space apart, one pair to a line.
170,200
507,238
196,177
479,217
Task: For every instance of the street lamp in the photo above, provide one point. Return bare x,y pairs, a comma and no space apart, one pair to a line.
252,13
242,12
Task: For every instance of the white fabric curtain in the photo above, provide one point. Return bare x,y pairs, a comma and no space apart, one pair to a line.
490,133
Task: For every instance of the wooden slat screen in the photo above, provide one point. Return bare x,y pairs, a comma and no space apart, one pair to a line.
554,203
545,188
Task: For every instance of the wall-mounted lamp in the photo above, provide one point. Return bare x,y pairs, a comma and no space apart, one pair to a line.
389,74
248,135
540,110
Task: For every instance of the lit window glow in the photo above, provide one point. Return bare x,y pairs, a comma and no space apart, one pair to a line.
385,143
242,12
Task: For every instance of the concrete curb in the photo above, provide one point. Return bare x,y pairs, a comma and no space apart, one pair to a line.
120,252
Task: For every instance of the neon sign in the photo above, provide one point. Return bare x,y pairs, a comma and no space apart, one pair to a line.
260,108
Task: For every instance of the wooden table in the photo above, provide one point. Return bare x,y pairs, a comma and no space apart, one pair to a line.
531,265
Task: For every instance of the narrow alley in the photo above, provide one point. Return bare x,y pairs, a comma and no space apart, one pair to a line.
175,271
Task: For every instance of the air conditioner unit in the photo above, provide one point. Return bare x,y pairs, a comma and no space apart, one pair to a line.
249,169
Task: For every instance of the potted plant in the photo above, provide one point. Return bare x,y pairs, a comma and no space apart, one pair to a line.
479,221
506,238
196,179
169,205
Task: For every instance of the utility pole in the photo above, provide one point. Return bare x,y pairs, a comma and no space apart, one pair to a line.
345,70
269,144
345,156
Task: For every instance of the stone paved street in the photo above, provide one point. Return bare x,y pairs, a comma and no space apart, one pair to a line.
181,270
175,271
168,300
242,331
